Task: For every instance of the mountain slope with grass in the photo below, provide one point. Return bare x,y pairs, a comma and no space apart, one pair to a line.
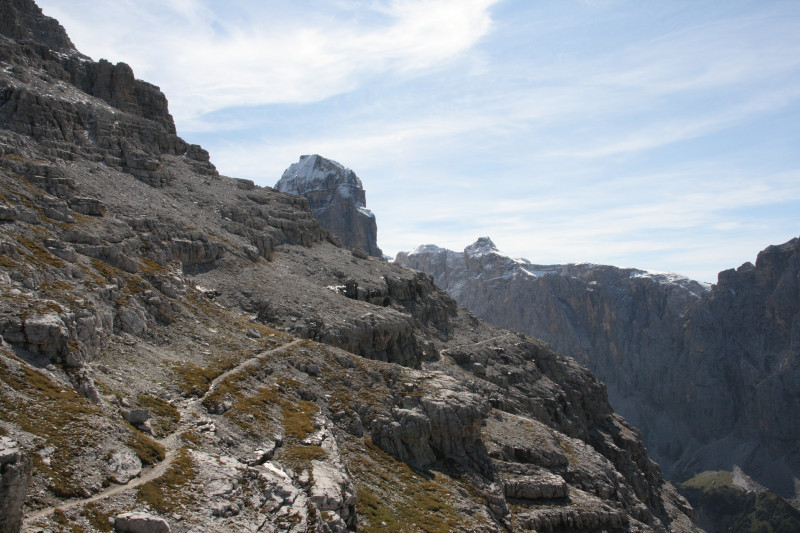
183,351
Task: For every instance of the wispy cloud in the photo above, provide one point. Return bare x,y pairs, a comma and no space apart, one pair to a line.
660,135
205,62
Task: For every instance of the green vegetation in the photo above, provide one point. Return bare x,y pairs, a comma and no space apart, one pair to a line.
56,414
149,451
60,518
391,492
98,518
170,492
37,255
166,416
725,507
191,437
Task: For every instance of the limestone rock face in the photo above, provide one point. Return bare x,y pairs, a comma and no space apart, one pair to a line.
706,373
337,199
202,350
15,474
22,20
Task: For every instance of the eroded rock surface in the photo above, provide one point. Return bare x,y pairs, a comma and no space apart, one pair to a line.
200,349
15,474
337,199
707,373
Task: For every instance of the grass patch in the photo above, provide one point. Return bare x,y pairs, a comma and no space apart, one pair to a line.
708,480
166,416
391,492
192,438
60,518
99,519
149,451
54,412
148,266
170,493
37,255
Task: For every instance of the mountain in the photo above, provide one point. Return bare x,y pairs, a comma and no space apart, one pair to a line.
709,375
337,199
183,351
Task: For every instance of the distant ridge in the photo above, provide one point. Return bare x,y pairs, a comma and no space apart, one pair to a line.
709,374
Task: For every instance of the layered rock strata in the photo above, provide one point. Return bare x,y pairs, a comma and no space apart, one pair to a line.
709,374
201,350
337,198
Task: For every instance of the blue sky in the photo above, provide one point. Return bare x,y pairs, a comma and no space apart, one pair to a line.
662,135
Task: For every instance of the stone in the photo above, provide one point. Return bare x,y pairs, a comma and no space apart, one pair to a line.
124,465
87,206
15,475
138,522
542,486
136,416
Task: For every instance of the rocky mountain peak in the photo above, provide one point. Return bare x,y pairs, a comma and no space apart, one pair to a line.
336,197
23,21
483,246
182,351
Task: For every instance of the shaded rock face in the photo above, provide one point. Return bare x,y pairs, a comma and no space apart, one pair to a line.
22,20
15,474
708,374
337,199
289,384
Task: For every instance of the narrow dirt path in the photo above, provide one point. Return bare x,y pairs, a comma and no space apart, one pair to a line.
170,443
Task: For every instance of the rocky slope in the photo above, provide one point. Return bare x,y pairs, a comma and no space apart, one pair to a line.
710,375
337,199
183,351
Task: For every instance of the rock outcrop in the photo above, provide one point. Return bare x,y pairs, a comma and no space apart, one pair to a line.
15,474
201,350
337,199
707,373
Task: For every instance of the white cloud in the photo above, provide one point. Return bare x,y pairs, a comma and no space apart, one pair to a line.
205,62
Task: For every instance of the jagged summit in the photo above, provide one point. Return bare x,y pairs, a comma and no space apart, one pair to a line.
483,246
336,196
313,172
181,351
24,22
695,366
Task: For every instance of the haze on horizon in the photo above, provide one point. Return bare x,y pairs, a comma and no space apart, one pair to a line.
657,135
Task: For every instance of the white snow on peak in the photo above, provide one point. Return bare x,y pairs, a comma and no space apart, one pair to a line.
540,272
667,278
483,246
426,249
363,210
310,171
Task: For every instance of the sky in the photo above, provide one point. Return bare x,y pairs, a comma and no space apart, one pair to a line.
658,135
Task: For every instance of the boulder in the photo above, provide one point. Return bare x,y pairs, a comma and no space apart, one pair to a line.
15,474
137,522
123,465
137,416
47,335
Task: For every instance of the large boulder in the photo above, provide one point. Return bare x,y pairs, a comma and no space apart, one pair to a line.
15,474
140,523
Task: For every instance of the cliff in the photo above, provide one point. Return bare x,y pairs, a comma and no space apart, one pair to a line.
336,197
708,374
183,351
